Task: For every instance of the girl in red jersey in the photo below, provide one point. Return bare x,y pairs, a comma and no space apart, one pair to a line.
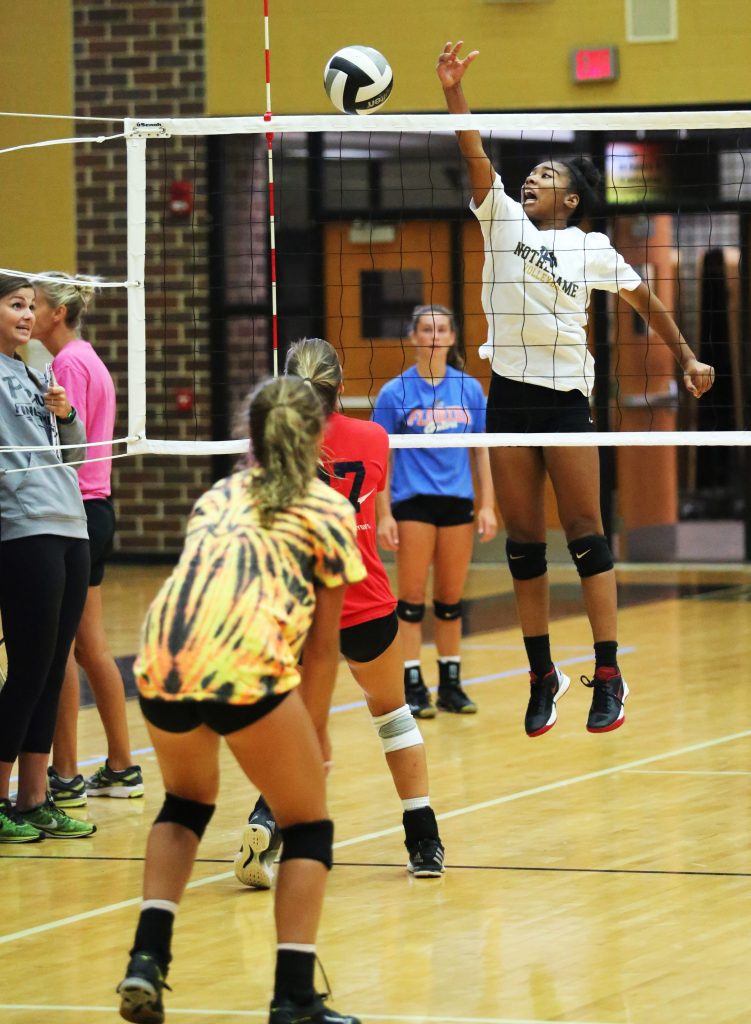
354,461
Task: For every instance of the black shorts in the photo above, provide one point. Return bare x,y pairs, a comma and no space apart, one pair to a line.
518,408
435,509
368,640
186,715
100,517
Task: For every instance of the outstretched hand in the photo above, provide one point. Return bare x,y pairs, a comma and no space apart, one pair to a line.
451,66
697,377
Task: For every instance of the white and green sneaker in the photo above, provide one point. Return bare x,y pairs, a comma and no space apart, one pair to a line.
55,823
66,792
13,828
124,784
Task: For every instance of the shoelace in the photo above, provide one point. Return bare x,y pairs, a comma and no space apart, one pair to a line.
603,692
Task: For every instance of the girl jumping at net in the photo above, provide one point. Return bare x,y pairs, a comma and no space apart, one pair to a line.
267,556
537,281
44,570
354,461
60,306
428,516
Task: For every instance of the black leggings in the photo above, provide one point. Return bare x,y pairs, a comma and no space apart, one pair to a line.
43,585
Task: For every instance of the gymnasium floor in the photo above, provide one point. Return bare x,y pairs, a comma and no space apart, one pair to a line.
593,879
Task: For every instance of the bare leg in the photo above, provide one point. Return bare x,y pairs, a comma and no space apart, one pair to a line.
282,757
381,680
32,780
416,549
94,656
575,473
453,552
519,482
65,742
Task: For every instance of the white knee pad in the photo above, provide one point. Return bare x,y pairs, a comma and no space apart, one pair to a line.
397,729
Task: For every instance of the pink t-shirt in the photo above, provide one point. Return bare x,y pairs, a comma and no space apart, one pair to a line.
91,392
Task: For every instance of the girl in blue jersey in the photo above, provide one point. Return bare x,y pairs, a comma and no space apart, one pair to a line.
428,517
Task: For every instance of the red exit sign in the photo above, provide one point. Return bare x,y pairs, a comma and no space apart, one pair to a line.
596,64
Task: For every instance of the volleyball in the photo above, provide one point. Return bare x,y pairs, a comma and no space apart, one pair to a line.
358,79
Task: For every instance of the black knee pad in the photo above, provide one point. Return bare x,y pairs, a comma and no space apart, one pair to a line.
188,813
447,612
526,561
311,840
591,555
410,612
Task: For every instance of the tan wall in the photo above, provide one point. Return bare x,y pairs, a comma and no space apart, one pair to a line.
524,61
37,197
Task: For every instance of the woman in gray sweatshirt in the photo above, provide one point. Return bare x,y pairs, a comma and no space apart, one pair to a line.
44,570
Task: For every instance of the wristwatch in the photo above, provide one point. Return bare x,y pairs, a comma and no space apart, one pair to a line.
69,418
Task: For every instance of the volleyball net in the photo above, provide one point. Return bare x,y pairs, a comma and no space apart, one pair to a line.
241,235
367,218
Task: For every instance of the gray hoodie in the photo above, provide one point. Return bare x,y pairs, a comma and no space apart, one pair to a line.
36,501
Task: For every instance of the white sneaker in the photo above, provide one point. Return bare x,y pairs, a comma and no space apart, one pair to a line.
254,863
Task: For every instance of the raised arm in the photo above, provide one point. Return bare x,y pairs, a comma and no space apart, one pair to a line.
451,69
697,377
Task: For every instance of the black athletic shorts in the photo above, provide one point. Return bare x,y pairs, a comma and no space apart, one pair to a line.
435,509
185,715
368,640
100,517
518,408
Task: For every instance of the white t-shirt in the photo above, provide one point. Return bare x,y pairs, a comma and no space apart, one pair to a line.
536,287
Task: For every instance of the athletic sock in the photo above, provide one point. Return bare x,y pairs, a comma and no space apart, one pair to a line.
295,968
449,670
420,824
606,655
154,931
538,653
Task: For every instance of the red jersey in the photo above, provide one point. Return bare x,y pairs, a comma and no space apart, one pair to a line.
355,459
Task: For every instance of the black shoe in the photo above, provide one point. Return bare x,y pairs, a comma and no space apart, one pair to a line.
140,990
451,696
425,858
544,694
416,694
607,711
315,1012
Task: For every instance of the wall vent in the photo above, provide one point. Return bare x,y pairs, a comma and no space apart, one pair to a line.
651,21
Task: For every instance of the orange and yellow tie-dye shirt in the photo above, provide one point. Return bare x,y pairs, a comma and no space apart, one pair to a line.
230,622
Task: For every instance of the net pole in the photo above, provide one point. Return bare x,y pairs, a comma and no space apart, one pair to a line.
136,213
272,230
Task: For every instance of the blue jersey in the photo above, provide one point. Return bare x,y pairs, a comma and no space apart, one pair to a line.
410,404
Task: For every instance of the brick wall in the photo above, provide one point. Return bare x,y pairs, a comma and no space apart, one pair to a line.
147,60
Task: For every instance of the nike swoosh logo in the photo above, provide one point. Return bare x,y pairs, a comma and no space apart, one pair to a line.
584,553
361,499
514,557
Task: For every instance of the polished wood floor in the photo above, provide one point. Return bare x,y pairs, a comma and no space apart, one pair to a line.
594,879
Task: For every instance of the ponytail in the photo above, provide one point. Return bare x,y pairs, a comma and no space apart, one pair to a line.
286,420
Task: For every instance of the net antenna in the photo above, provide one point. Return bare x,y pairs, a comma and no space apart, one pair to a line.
272,232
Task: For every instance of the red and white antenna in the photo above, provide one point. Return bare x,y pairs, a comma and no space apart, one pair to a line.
272,229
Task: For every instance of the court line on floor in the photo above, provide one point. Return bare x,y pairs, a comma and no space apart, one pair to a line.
548,787
406,1018
668,771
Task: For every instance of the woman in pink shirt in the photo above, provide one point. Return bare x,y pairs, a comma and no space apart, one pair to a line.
60,303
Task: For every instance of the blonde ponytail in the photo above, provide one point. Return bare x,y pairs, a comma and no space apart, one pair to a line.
75,293
316,362
286,421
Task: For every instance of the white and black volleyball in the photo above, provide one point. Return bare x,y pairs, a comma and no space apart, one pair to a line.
358,79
